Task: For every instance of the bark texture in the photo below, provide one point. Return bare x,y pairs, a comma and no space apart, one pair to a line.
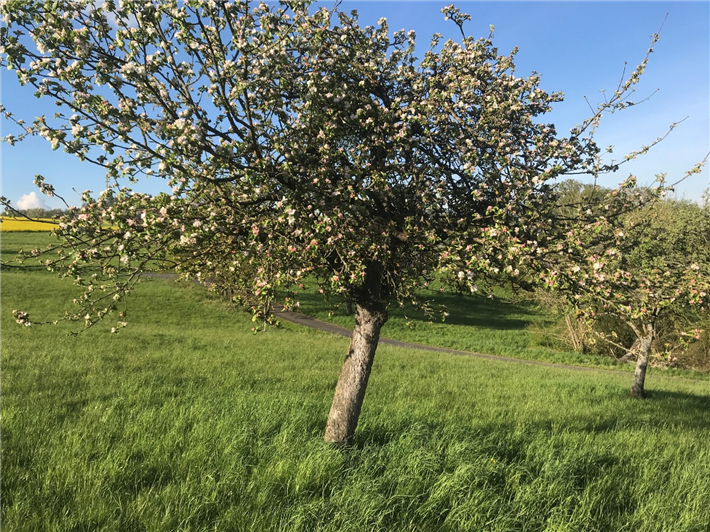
644,352
352,383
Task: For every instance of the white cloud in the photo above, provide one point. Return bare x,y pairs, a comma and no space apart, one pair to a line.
30,201
100,5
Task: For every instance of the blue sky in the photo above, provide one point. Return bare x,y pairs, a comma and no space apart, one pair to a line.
579,48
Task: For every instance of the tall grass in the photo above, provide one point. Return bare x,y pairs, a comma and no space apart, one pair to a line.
187,421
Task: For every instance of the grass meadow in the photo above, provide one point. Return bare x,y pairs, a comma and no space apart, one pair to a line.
507,325
185,421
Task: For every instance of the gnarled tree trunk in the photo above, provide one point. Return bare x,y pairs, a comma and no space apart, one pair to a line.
350,390
370,315
644,352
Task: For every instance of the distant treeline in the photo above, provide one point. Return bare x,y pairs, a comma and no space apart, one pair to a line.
36,212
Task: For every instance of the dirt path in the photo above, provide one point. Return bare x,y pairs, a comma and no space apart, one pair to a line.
307,321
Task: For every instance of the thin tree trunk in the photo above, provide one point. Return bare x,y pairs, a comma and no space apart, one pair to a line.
644,352
350,390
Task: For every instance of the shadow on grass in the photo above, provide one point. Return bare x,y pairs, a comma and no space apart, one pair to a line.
661,409
16,267
682,408
464,310
475,311
380,435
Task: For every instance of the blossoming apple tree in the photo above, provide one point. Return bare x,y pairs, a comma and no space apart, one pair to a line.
631,255
296,143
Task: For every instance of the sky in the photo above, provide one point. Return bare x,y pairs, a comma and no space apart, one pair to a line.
578,48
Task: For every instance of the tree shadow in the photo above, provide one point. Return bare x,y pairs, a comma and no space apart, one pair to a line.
17,267
660,408
499,313
379,435
682,408
671,410
477,311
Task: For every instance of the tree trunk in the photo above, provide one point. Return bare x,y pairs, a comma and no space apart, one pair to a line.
644,352
350,390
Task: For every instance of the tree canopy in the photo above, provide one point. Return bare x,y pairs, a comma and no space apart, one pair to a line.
646,262
297,143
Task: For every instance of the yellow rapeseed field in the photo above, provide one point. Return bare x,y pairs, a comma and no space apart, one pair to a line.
8,223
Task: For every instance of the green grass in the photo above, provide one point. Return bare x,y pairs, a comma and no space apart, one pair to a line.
494,326
510,325
187,421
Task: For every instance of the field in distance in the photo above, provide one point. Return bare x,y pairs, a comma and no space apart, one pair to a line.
9,223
